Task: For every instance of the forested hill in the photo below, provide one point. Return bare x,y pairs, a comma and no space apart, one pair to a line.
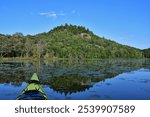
66,41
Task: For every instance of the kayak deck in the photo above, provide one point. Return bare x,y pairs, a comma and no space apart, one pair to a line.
33,90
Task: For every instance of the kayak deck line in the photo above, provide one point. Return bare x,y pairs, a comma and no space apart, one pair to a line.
33,91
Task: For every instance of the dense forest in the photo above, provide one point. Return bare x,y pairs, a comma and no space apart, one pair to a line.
146,53
65,41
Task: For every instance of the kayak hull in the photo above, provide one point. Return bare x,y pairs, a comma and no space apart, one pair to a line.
33,91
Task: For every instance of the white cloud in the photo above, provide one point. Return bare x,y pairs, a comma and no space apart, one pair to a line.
58,14
52,14
74,12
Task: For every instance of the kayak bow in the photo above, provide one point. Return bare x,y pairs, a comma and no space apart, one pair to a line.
33,90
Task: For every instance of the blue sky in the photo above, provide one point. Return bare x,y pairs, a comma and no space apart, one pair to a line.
124,21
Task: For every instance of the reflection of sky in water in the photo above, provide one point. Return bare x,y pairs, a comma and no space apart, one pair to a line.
10,92
132,85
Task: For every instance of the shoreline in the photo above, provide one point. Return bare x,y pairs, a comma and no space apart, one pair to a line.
56,59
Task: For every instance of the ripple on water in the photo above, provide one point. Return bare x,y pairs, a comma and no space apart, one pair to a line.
96,96
145,81
121,78
98,85
93,96
108,84
147,90
108,97
92,91
68,98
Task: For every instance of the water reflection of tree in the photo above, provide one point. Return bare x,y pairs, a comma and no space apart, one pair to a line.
69,83
74,83
13,79
72,78
12,73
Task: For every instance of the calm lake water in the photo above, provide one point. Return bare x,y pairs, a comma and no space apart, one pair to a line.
80,80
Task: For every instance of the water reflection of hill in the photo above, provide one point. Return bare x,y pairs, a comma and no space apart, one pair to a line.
73,83
68,76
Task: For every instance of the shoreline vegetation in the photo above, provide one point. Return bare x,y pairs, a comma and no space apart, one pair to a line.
31,59
64,59
65,42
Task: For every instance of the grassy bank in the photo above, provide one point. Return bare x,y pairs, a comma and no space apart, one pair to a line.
32,58
17,58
